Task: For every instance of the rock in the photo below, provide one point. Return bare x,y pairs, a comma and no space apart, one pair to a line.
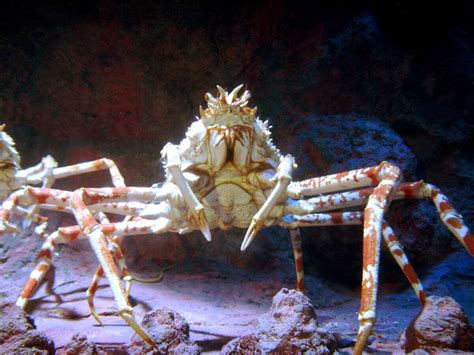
289,327
169,330
441,324
18,334
79,344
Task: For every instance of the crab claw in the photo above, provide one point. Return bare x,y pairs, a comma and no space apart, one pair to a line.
283,177
201,221
252,231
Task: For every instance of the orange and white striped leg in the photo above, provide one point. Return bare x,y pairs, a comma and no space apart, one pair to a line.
82,168
91,290
29,196
387,178
99,274
322,219
347,180
91,196
373,218
298,256
114,248
356,218
44,262
400,257
411,190
292,222
451,219
98,241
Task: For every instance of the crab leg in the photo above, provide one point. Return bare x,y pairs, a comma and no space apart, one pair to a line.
353,218
451,219
60,198
71,170
114,248
321,185
298,256
328,202
48,180
379,200
99,273
98,243
28,196
283,177
173,159
400,257
322,219
387,178
337,182
413,190
41,268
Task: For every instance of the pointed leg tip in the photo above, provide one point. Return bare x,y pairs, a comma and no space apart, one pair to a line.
96,317
201,220
254,228
128,317
207,234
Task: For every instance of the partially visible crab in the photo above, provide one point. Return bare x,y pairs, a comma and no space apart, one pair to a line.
227,173
13,177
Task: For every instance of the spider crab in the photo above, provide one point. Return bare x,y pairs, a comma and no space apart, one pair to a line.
13,177
227,173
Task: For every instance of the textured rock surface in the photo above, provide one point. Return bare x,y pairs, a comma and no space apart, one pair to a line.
289,327
169,330
441,324
18,334
79,344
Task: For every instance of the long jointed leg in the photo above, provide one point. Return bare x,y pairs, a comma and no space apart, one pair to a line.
356,218
61,199
413,190
338,182
29,196
77,169
386,177
351,218
451,219
44,261
284,177
33,212
114,248
298,256
399,255
373,217
319,219
99,274
98,243
173,163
